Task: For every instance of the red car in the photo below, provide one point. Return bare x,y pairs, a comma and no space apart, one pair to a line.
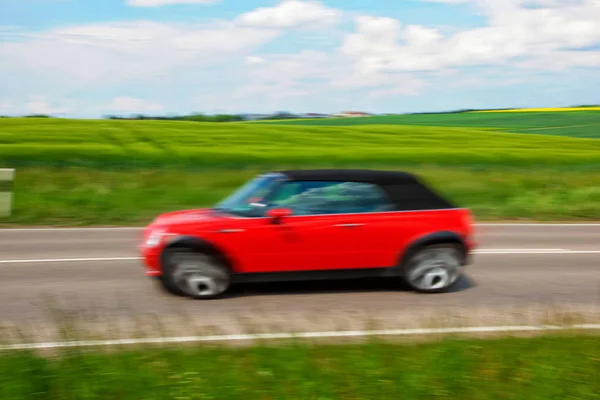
310,225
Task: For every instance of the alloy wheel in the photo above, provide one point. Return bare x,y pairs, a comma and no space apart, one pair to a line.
434,269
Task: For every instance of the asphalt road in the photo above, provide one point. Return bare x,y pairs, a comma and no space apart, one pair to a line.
520,272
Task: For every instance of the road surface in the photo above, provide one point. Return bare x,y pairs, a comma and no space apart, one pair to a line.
520,272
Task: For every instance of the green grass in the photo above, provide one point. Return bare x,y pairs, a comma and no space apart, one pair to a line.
545,367
140,144
585,124
75,172
71,196
581,131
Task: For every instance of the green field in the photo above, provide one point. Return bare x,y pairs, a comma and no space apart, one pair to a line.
74,172
584,124
540,368
121,144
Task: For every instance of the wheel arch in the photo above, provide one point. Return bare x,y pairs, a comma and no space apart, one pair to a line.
441,237
200,245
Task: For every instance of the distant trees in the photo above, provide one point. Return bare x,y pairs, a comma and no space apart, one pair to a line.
281,115
213,118
461,111
191,117
199,117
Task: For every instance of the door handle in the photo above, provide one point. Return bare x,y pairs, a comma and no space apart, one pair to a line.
349,225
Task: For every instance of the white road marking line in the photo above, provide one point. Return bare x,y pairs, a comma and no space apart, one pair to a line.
536,251
539,252
135,228
305,335
54,260
49,229
477,252
517,249
540,225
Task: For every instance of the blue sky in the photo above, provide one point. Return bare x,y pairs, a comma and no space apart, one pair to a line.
88,58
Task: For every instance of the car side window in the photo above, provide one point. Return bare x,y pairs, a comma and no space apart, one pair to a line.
317,198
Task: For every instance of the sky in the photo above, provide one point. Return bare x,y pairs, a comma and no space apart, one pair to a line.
91,58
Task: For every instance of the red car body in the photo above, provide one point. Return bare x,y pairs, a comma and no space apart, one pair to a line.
276,243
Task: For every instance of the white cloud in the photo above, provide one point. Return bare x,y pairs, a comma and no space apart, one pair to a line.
105,53
127,104
292,14
316,73
538,31
75,59
409,86
221,65
159,3
447,1
251,60
306,64
6,107
562,60
40,105
284,76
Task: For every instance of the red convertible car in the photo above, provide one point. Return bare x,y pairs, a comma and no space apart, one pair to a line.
312,225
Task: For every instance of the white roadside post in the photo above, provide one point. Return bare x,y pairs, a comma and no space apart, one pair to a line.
7,177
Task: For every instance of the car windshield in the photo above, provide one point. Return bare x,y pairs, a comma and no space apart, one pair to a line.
243,200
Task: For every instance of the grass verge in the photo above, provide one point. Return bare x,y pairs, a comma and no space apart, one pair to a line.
79,196
565,366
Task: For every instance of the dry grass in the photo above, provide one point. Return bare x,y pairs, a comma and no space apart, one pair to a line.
61,325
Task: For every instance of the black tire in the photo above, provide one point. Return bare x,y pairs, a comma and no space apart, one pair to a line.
194,274
433,268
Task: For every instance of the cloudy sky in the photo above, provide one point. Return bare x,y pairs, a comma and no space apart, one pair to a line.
88,58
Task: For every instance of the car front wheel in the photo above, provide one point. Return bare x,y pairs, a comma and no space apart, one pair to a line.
434,268
194,274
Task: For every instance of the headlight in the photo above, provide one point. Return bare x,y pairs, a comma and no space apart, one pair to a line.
155,238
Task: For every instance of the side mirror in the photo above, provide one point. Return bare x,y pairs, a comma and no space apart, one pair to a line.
279,213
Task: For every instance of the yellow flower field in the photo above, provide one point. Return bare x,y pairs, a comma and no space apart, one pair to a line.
558,109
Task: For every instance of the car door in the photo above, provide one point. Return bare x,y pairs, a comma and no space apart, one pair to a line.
365,213
320,242
323,232
294,243
257,245
333,226
318,235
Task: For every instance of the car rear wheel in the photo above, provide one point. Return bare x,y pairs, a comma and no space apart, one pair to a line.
434,268
194,274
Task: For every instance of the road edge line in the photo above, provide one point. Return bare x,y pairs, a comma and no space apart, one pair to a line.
302,335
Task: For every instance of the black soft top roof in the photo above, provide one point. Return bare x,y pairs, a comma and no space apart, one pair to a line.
358,175
405,190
